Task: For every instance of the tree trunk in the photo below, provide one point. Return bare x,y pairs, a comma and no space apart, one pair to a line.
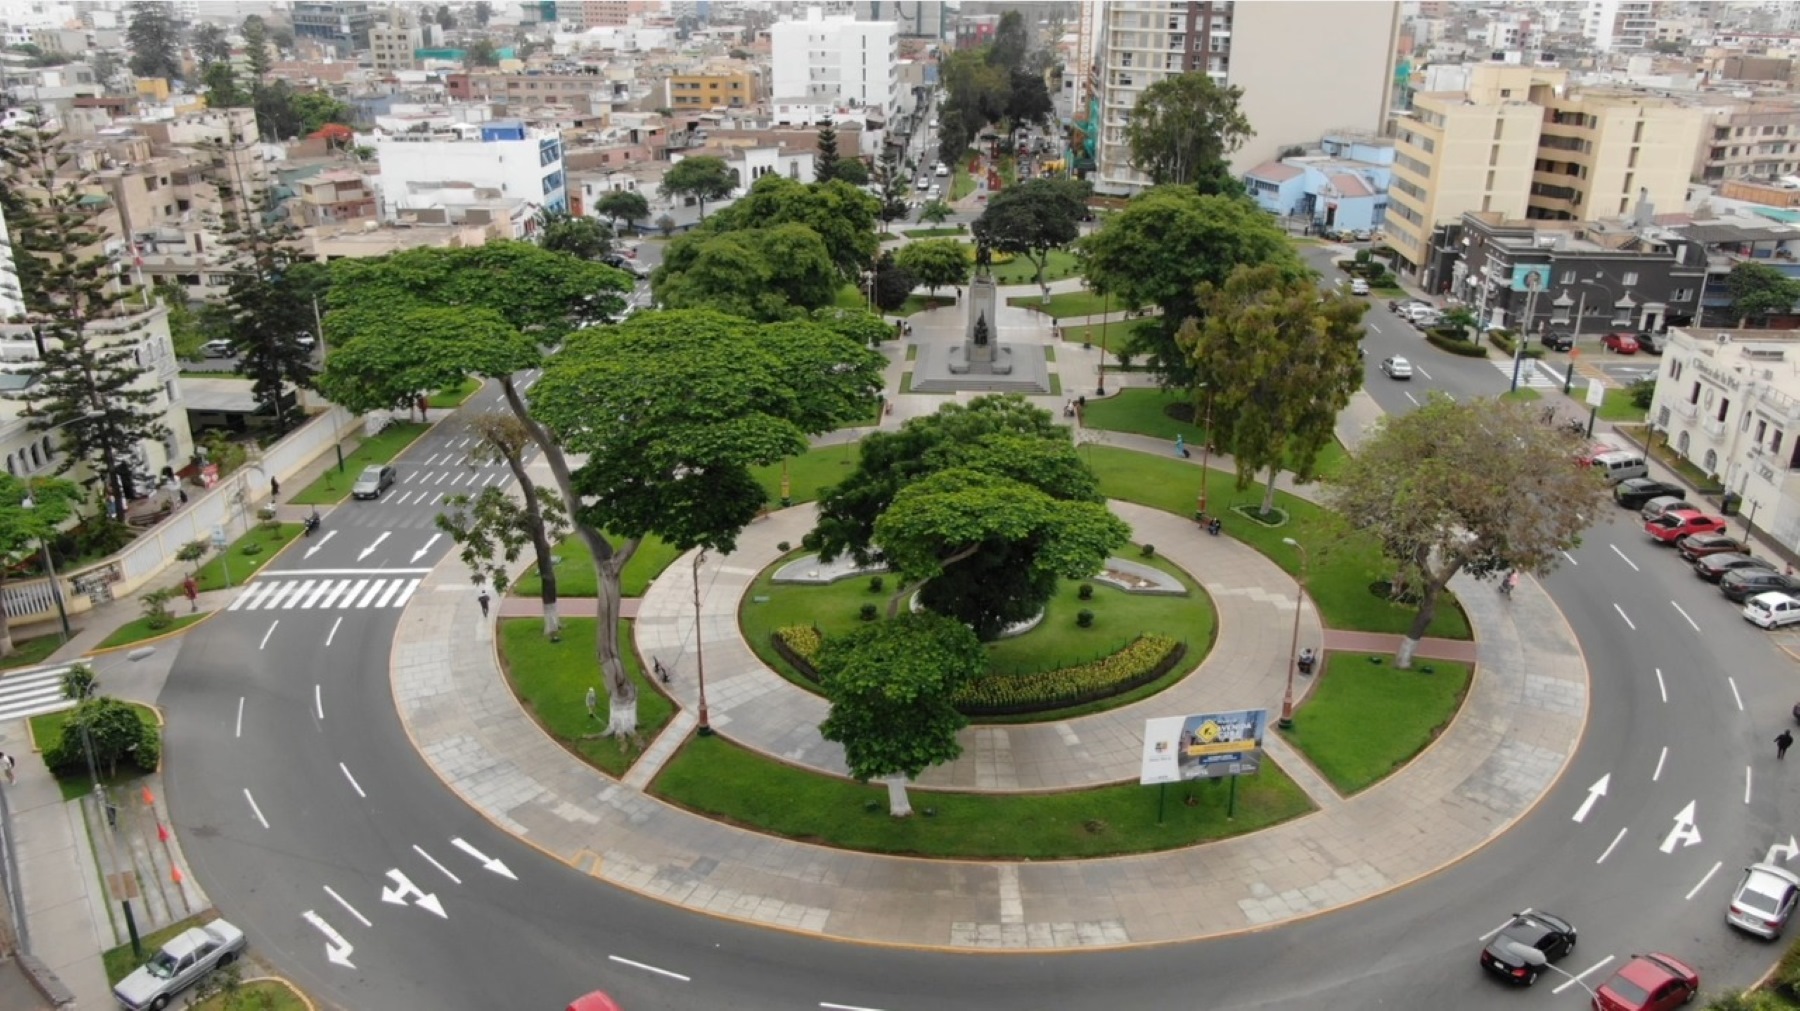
540,543
1428,599
1268,502
898,804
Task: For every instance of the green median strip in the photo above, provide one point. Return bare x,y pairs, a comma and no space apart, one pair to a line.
334,485
1366,718
552,680
243,558
140,629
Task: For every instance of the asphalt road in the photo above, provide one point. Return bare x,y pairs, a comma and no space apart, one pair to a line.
300,802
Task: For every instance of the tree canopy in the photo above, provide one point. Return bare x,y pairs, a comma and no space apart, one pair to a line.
623,207
935,263
153,39
24,528
700,179
538,292
1034,218
1185,126
825,162
583,238
842,216
763,274
1759,291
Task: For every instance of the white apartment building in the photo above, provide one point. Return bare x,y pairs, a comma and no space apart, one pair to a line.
1306,67
1729,403
1619,25
12,297
837,60
465,163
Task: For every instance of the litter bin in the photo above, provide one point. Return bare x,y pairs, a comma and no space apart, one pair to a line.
1729,505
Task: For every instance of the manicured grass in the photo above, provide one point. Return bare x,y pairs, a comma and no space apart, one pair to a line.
713,776
575,575
1365,719
921,303
933,232
241,566
1110,335
1021,270
46,731
332,487
851,297
30,652
1064,304
912,352
1617,406
552,679
1382,291
446,399
139,629
120,961
810,473
1523,395
1343,564
961,182
1144,412
263,994
905,382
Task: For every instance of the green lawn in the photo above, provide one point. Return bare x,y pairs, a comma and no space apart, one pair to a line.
961,182
445,399
851,297
921,303
575,575
1523,395
1144,412
46,731
332,487
715,777
1617,406
1021,270
809,473
1344,564
552,679
933,232
31,652
1364,720
263,994
1110,335
1064,304
139,629
241,566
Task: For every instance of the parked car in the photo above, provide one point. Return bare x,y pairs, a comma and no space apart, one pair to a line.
619,261
1772,610
1623,343
1664,504
1651,344
183,960
1712,568
940,170
1681,522
218,349
1633,492
1397,367
1361,235
1653,982
1559,340
1698,546
1359,287
596,1001
1764,900
1743,584
1401,306
1512,951
375,479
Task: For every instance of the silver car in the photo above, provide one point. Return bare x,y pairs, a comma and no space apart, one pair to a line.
1664,504
375,479
1764,900
182,962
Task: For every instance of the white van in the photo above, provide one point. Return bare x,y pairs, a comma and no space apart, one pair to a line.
1616,467
1772,610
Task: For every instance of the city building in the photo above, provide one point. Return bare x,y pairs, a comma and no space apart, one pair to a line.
1619,25
922,19
12,297
837,61
392,45
586,89
1342,186
1306,68
1750,139
342,25
336,196
729,85
465,164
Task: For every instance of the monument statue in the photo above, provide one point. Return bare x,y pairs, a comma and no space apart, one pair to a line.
984,258
981,331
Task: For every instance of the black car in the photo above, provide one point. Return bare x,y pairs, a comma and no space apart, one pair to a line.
1559,340
1508,953
1713,567
1743,584
1633,492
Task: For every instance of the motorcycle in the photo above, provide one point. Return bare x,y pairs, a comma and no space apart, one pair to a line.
311,523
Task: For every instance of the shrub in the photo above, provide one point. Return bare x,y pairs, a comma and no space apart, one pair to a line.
1504,340
1363,256
1383,279
78,682
156,607
1084,618
1139,663
251,548
804,640
1456,345
875,584
1643,392
784,547
1147,550
1085,591
868,612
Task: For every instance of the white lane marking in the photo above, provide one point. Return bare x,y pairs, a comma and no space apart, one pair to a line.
1422,372
1696,889
649,968
1622,558
334,627
488,863
1415,400
1659,764
324,584
354,785
319,702
1373,327
846,1007
1685,831
393,588
1616,840
348,907
404,597
340,587
381,571
1594,793
240,720
441,868
1571,558
254,809
271,631
441,477
1584,973
247,599
1662,687
1746,784
272,601
373,590
1684,614
1621,611
1734,692
1503,926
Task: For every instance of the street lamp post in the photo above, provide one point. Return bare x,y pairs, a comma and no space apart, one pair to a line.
1532,283
1105,317
1206,441
1580,313
705,728
1287,698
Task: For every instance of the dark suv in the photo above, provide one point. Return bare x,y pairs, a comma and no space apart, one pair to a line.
1633,492
1740,585
1650,343
1559,340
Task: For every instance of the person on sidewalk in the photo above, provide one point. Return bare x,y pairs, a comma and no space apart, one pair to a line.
190,587
483,601
1783,741
6,765
593,703
274,486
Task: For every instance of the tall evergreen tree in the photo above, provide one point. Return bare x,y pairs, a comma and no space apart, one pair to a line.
151,37
85,384
256,49
210,45
825,163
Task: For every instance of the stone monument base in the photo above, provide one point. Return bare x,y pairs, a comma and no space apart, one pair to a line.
1016,368
964,359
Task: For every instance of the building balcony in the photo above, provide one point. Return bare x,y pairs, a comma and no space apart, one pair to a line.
1713,427
1684,410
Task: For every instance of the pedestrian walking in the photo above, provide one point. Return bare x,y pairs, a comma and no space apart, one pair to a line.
483,601
274,486
593,701
6,763
190,587
1783,741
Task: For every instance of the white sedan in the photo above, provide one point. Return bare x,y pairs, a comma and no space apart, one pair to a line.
1397,367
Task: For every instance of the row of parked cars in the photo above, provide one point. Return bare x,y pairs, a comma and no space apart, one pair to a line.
1768,593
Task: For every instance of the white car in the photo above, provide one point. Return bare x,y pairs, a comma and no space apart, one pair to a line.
1359,287
1764,900
924,182
183,961
941,170
1397,367
1771,610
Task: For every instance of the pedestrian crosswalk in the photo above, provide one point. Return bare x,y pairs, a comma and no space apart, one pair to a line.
326,594
32,693
1529,373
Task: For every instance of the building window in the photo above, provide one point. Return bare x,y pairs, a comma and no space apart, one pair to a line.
1711,461
1775,443
1682,295
1694,394
1629,279
1568,277
1724,409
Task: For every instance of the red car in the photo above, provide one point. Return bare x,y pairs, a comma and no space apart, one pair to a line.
1623,343
1692,549
1652,982
1676,524
595,1001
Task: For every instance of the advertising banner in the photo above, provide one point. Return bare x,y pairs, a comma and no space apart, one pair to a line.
1203,746
1531,277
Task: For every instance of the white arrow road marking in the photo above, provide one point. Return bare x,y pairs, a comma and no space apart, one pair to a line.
352,909
1696,889
1595,792
403,889
366,552
329,534
445,871
421,552
490,863
337,950
1685,831
649,968
1783,852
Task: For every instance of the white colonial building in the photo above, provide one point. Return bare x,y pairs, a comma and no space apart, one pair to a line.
470,163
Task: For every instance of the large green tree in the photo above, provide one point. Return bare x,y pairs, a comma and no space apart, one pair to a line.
256,49
894,183
764,274
935,263
1185,126
25,528
562,232
154,41
1033,219
1011,41
210,44
893,283
1477,486
1159,250
622,207
842,215
892,686
825,161
1280,363
1759,291
701,179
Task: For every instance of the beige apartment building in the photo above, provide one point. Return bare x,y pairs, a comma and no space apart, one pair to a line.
1521,143
724,86
1750,139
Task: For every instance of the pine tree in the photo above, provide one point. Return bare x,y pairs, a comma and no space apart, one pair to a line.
151,38
826,161
256,49
85,385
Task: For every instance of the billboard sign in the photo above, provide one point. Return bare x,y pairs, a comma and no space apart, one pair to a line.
1531,277
1203,746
